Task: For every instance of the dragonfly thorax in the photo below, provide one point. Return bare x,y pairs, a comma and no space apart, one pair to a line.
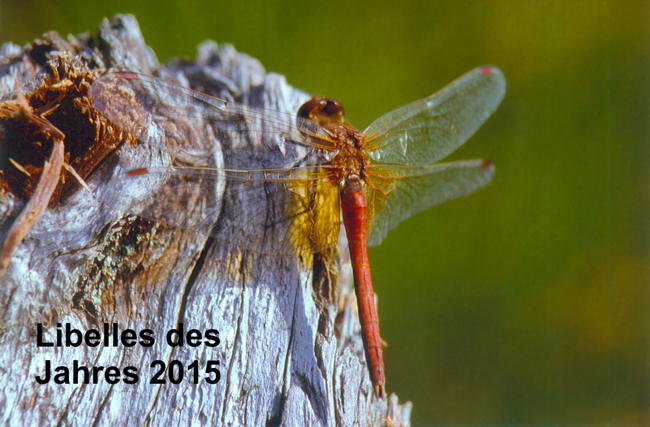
350,161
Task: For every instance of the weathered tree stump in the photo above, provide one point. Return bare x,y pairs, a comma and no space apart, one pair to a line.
290,351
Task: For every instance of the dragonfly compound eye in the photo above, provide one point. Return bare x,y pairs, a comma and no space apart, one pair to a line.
312,108
334,111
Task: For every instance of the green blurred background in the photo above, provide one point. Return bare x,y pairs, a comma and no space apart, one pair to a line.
527,302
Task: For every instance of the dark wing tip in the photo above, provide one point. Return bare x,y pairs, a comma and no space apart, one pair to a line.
487,70
486,164
136,172
490,72
126,75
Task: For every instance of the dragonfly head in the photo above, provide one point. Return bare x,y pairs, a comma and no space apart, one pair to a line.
325,112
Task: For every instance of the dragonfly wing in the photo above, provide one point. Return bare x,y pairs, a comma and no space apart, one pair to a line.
236,172
280,216
189,125
171,195
268,212
150,112
396,195
425,131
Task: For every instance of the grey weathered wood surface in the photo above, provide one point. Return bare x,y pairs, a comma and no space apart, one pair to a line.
283,361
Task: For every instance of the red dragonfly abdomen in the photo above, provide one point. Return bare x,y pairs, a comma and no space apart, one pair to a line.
353,206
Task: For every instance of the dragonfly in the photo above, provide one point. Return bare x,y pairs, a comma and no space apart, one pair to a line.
249,174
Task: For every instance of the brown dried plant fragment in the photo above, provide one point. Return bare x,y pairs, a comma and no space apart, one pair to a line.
32,130
46,184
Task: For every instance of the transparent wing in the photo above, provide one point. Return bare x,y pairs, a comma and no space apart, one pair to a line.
269,212
425,131
166,116
233,171
397,193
